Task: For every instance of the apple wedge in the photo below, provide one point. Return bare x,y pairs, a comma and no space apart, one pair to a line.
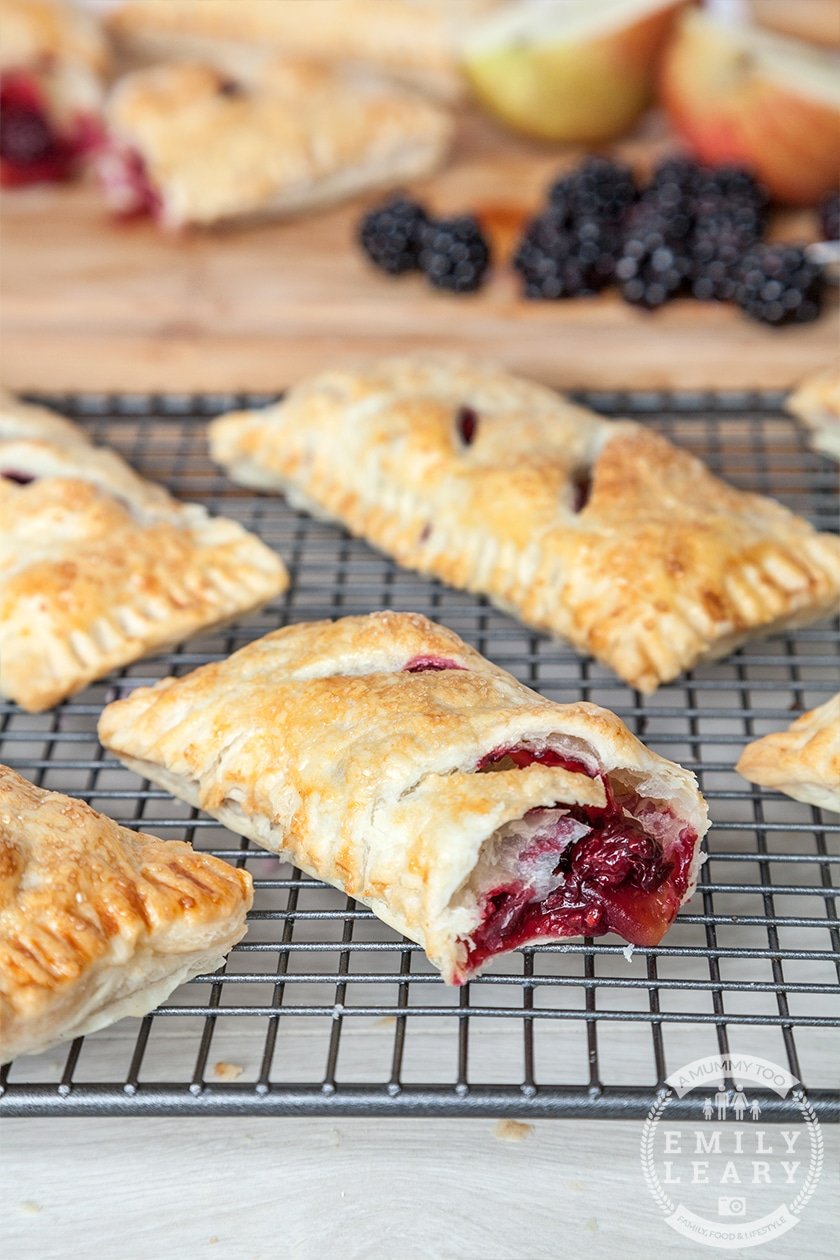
736,94
576,71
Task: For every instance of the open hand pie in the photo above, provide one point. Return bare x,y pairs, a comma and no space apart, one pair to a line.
191,145
601,532
99,567
803,761
53,59
96,921
385,756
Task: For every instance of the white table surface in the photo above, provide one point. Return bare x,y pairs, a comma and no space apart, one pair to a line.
349,1189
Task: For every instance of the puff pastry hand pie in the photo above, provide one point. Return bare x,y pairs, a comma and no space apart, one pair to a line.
803,761
99,567
96,921
411,40
190,145
383,755
817,404
597,531
53,59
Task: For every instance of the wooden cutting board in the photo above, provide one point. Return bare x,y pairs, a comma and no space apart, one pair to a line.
88,303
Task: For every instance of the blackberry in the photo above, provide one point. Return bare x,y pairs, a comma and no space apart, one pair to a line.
655,262
713,212
674,178
778,284
599,189
830,217
559,259
723,233
736,185
454,253
25,136
390,235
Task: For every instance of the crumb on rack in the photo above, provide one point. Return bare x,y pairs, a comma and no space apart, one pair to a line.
228,1071
512,1130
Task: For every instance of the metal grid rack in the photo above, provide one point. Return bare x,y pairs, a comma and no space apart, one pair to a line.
322,1009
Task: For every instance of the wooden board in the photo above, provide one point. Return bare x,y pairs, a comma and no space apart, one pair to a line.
92,304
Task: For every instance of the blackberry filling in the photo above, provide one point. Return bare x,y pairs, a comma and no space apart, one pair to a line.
31,150
581,489
467,422
126,184
422,664
574,870
19,478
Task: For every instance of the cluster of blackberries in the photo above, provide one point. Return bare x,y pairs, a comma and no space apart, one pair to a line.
690,231
400,236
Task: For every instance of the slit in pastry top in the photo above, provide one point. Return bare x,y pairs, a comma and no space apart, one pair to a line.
597,531
470,813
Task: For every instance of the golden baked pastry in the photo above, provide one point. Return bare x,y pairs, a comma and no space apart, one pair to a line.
53,60
816,403
96,921
598,531
99,566
385,756
191,145
803,761
411,40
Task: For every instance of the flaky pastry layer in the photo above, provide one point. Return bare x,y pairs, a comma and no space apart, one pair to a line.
802,761
601,532
99,567
96,921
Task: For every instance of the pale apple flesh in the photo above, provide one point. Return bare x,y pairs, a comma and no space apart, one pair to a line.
585,90
730,107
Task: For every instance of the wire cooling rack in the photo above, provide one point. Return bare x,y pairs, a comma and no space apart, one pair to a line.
322,1009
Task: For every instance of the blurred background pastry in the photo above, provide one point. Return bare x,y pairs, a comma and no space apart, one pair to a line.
53,61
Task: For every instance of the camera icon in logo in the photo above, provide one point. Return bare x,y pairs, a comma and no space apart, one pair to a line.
732,1205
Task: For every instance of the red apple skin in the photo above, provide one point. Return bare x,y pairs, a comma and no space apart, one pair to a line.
726,113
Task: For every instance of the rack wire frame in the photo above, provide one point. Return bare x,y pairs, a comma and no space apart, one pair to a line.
321,1009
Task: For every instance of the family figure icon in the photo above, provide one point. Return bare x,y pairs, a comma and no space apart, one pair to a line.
726,1100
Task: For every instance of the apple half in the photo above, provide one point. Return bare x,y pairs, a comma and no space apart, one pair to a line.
576,72
736,94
